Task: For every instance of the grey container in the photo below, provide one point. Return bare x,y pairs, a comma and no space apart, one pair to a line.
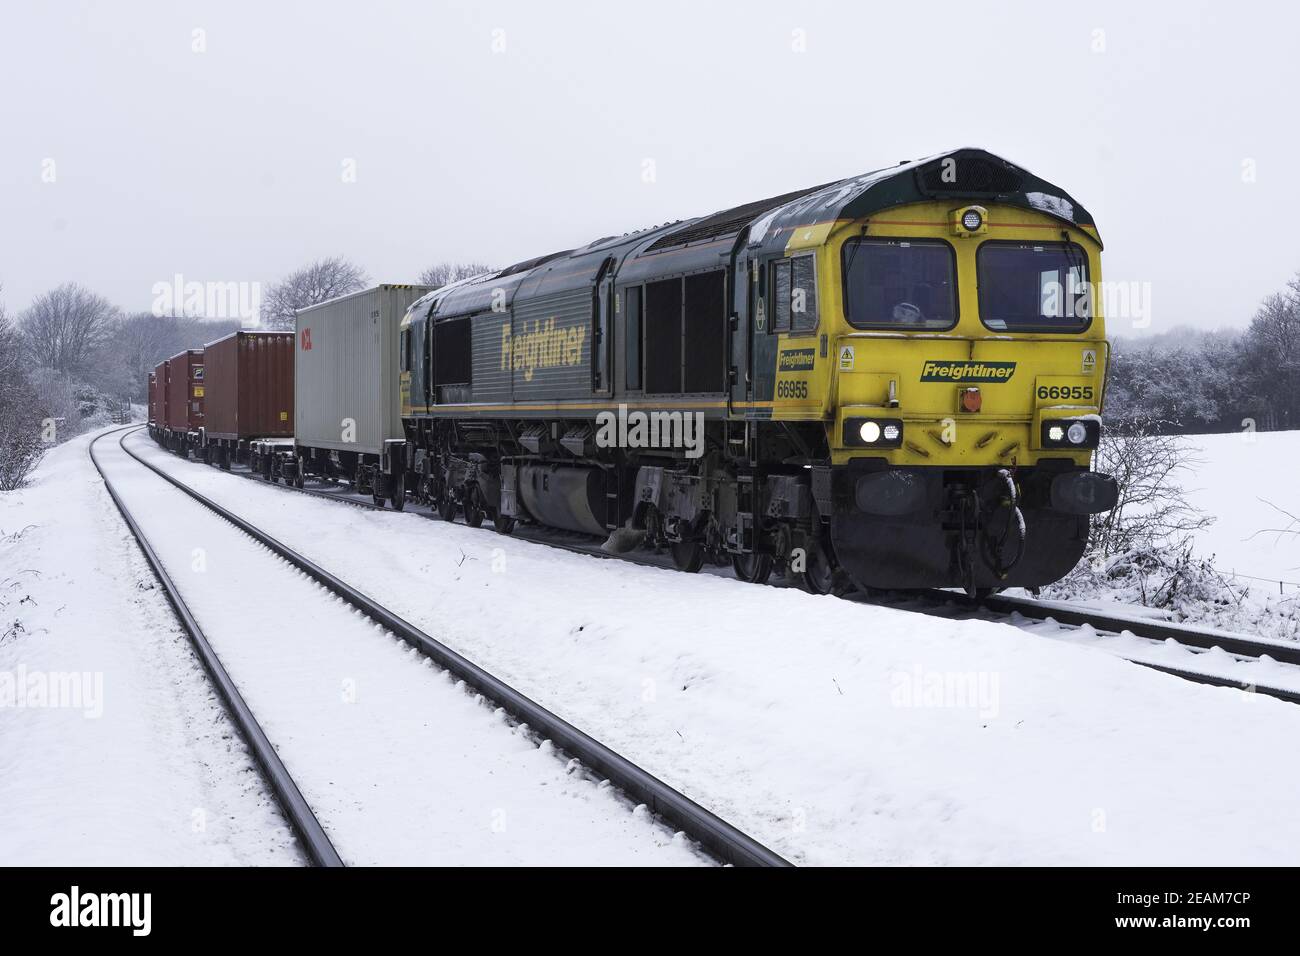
345,370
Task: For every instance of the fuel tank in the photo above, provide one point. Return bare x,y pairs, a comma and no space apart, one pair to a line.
564,496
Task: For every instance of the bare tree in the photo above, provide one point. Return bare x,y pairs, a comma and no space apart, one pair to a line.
20,439
321,281
1152,510
441,273
65,328
141,340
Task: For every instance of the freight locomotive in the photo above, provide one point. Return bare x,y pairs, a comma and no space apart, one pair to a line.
894,380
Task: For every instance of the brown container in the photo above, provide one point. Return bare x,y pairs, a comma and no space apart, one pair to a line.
185,391
159,417
248,378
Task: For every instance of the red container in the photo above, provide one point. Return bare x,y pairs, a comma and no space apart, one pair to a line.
184,410
248,378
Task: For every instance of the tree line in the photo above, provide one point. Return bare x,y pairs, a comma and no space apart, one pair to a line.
73,358
1200,382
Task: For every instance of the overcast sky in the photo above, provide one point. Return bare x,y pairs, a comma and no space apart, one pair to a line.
500,131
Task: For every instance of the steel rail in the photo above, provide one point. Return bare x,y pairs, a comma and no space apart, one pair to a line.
309,830
716,835
999,604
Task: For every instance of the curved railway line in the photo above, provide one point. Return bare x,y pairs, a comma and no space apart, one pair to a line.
715,835
311,835
999,607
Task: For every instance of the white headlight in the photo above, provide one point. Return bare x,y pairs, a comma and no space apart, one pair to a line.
870,432
891,433
971,220
1077,433
1055,432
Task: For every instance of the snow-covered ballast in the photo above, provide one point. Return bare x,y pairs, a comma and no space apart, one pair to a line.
897,377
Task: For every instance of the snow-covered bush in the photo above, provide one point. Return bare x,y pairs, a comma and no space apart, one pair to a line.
20,444
1152,512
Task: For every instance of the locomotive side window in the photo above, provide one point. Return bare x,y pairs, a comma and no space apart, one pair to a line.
781,296
803,294
793,292
663,336
405,353
451,353
1033,287
632,342
900,284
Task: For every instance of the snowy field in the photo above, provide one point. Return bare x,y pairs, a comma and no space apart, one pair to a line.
834,732
1236,479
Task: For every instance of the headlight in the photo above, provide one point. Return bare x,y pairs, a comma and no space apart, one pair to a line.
971,220
873,432
1071,433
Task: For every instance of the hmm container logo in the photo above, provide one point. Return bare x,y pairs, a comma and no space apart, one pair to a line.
968,371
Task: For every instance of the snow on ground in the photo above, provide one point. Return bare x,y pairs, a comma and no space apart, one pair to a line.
1237,477
832,731
400,765
138,764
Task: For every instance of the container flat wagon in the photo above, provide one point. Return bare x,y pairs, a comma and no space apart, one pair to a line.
347,409
183,415
248,397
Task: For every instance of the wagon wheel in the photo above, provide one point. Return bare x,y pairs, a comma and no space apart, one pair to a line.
377,498
688,556
398,497
752,568
298,478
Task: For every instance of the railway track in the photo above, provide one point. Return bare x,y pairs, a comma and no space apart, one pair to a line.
1052,618
714,835
311,835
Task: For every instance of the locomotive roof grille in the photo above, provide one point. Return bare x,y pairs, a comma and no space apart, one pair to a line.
727,221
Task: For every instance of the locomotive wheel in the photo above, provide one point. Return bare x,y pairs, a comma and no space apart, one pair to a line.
752,568
688,556
818,575
504,524
447,508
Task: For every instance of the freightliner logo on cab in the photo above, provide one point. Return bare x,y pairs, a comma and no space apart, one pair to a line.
968,371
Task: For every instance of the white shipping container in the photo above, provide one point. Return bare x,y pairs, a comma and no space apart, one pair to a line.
346,370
